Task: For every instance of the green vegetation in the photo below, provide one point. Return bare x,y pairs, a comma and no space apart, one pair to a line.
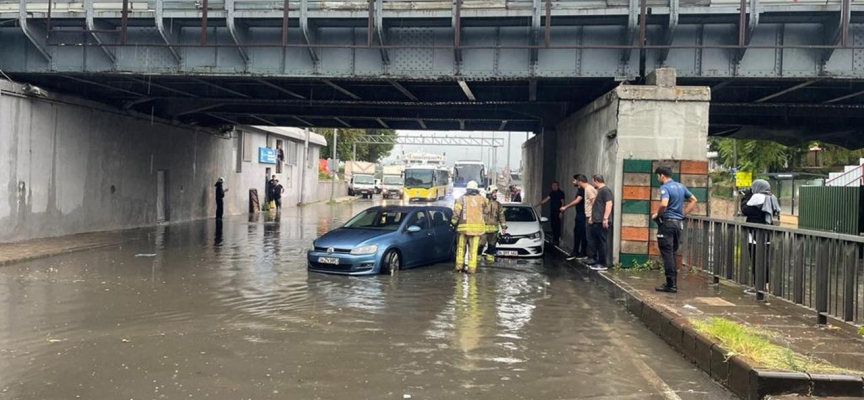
861,331
345,144
754,344
639,266
759,156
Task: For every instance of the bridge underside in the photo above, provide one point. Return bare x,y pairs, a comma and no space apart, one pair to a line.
781,72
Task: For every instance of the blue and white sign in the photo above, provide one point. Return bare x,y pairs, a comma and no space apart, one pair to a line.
266,155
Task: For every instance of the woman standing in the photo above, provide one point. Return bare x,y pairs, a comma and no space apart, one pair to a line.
760,206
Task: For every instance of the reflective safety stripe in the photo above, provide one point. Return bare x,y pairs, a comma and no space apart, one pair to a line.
491,228
470,227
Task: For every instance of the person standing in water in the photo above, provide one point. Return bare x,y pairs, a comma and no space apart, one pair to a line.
220,196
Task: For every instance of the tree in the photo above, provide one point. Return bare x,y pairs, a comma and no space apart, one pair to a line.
348,137
761,156
753,155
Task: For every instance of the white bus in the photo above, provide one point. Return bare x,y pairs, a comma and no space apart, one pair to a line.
467,171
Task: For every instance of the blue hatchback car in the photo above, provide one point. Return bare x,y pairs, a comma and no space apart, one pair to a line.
385,239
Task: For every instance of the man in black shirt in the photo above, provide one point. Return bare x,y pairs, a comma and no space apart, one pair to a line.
580,237
555,200
220,196
600,224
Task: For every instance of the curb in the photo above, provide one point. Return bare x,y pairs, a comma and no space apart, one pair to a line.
734,373
58,253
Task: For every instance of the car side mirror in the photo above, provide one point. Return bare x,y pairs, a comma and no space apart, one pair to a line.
544,219
413,229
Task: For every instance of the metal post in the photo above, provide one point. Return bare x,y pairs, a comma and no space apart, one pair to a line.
735,178
509,140
304,167
335,165
354,154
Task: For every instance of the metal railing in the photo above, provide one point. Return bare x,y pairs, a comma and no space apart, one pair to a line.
854,177
820,270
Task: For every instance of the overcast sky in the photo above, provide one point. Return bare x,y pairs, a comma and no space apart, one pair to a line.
455,153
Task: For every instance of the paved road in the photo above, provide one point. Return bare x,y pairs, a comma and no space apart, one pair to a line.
196,312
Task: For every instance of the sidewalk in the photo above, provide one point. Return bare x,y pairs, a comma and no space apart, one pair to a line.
795,326
42,248
829,360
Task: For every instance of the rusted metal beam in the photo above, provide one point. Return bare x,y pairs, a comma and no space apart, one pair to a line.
165,34
341,121
671,27
281,89
222,88
285,23
204,10
341,89
124,22
787,90
402,89
467,90
37,40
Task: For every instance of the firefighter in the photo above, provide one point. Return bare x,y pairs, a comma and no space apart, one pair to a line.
494,220
469,218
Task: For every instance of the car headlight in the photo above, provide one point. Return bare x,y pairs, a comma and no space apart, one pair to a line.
365,250
536,235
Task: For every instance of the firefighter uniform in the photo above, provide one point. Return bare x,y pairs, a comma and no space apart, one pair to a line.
469,217
494,221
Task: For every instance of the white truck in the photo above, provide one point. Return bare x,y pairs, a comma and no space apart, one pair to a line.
361,178
393,181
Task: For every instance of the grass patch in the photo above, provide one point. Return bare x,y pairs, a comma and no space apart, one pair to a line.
861,331
754,344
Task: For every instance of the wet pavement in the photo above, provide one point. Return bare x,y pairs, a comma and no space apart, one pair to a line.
200,310
791,326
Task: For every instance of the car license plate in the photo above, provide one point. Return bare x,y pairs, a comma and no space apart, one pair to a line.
508,253
328,260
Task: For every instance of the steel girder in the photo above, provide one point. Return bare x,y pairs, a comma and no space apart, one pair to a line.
458,44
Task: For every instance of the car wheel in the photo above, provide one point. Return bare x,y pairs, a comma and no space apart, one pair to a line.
392,262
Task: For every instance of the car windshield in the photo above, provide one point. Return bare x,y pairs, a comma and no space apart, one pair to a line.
468,172
393,180
418,178
519,214
364,179
387,220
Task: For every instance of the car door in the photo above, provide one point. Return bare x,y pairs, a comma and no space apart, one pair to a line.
445,234
416,245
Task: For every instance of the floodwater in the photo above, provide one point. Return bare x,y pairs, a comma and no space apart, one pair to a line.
197,311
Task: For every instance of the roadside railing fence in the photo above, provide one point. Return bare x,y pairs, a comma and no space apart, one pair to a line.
823,271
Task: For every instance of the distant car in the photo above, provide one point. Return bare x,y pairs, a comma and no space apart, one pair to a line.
385,239
524,236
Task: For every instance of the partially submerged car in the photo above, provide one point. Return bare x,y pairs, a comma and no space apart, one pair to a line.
385,239
525,236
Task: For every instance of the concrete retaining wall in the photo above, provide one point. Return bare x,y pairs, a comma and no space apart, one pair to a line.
630,122
323,191
69,166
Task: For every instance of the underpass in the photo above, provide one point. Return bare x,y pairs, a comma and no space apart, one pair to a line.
221,311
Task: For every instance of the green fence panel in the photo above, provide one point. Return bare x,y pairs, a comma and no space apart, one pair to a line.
830,208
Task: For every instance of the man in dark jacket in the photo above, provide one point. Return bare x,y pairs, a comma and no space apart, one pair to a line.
220,196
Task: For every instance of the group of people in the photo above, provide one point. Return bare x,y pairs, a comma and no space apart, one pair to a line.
593,204
478,220
275,191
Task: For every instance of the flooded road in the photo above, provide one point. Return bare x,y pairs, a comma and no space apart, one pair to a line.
197,311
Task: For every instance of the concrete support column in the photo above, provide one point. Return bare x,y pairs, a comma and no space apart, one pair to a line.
655,123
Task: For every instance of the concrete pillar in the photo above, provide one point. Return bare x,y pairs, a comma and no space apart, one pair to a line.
644,124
